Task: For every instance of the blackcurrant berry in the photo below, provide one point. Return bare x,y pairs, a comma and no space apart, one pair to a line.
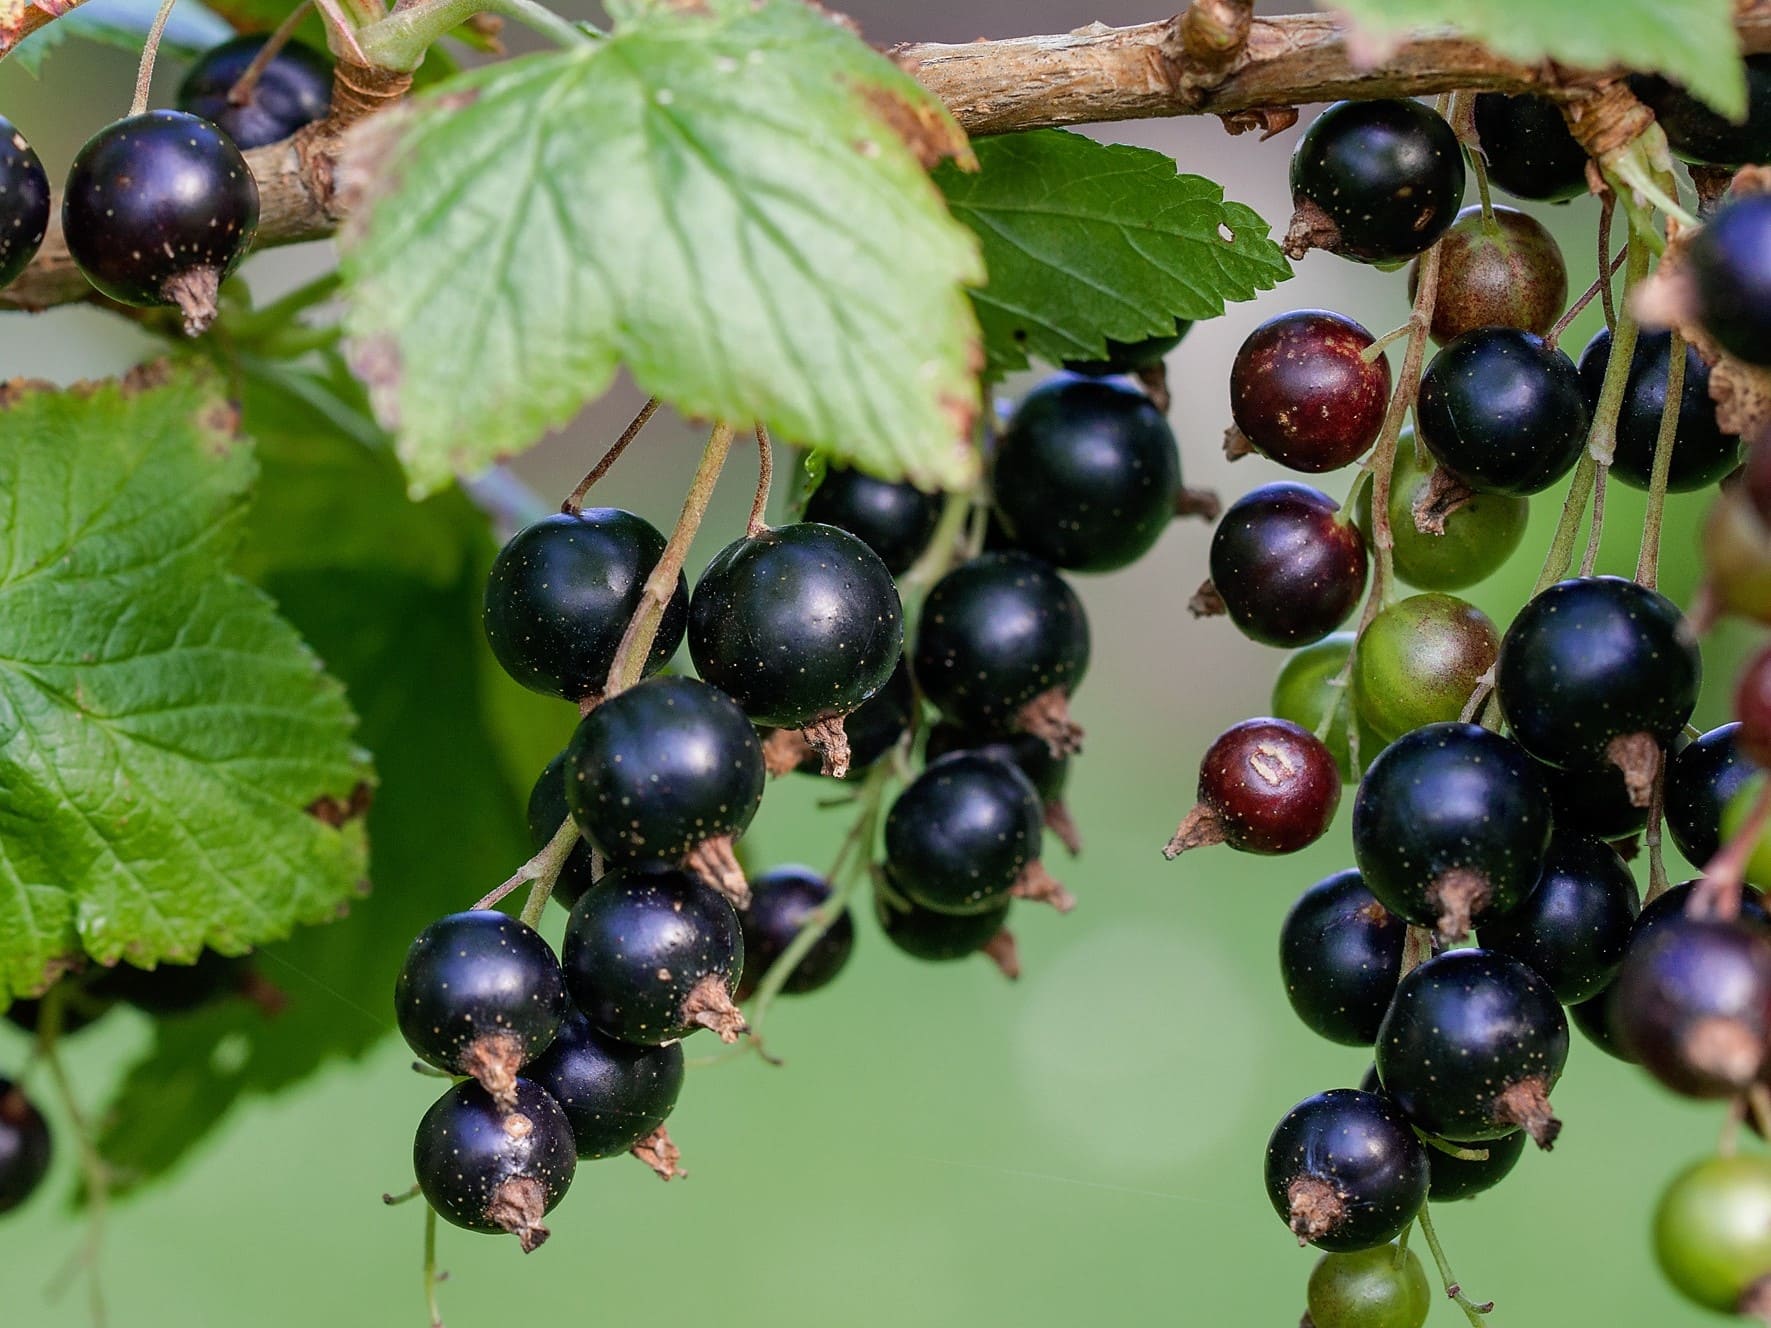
173,989
1086,474
24,202
1729,261
1286,566
669,771
1503,411
1528,149
1451,1178
1130,357
782,903
924,933
1599,670
1450,826
799,625
490,1167
562,592
1501,270
1345,1171
1593,1017
1375,181
964,836
547,812
1303,393
1001,646
1340,953
1047,773
1700,781
1382,1287
652,954
1469,536
894,518
1265,786
615,1094
1698,134
1593,800
1712,1234
1419,660
293,90
872,730
1310,686
1702,453
1471,1047
1573,928
24,1146
159,209
481,994
1692,1004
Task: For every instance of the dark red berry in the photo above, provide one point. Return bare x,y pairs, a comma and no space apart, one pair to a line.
25,1147
783,903
1265,786
1729,261
1702,453
1340,954
24,202
1303,393
491,1167
1345,1171
1287,567
1528,149
892,517
1500,270
293,90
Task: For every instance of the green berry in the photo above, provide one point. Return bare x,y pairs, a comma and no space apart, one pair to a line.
1304,691
1479,536
1712,1232
1377,1288
1418,662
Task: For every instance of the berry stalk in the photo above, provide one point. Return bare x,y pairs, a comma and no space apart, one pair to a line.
1648,560
1472,1311
93,1169
575,502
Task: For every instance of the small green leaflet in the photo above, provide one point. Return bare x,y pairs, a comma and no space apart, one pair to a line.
720,197
1690,41
1087,241
175,768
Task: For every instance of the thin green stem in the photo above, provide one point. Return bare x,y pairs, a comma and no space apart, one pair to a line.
150,50
286,308
1596,530
540,871
1648,560
943,547
400,40
1402,1244
430,1267
93,1169
1472,1311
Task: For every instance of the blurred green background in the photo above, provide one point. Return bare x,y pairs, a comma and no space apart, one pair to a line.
941,1147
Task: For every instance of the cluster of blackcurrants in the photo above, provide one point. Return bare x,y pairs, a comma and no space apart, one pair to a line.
798,639
160,207
1455,826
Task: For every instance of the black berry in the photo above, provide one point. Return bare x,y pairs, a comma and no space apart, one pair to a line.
1702,453
1345,1171
1528,149
872,730
159,209
1047,773
1286,566
172,988
652,954
1594,800
1729,261
1451,1178
487,1167
1340,954
547,812
562,592
1086,474
892,517
1700,782
1130,357
1574,926
1265,786
1303,393
25,1146
615,1094
293,90
924,933
782,902
24,202
1698,134
1471,1047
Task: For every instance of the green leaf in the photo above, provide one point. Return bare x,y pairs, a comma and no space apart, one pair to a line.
724,198
170,752
1690,41
1087,241
397,618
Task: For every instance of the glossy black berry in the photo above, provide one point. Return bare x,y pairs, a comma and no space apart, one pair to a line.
481,994
1265,786
1594,800
782,903
1303,393
1340,954
1698,134
1450,825
1593,1018
1729,261
1502,269
1574,926
293,90
1086,474
669,771
1599,669
1503,411
1130,357
1047,773
872,730
799,624
1700,782
1702,453
562,592
1471,1047
159,208
1001,645
173,989
1452,1178
1345,1171
1376,181
1528,149
892,517
924,933
547,812
25,1146
24,202
965,835
1288,569
614,1093
1692,1004
652,954
487,1167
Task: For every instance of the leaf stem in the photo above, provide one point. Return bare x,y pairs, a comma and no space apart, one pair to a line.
150,50
1472,1311
1648,560
400,40
765,478
574,504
